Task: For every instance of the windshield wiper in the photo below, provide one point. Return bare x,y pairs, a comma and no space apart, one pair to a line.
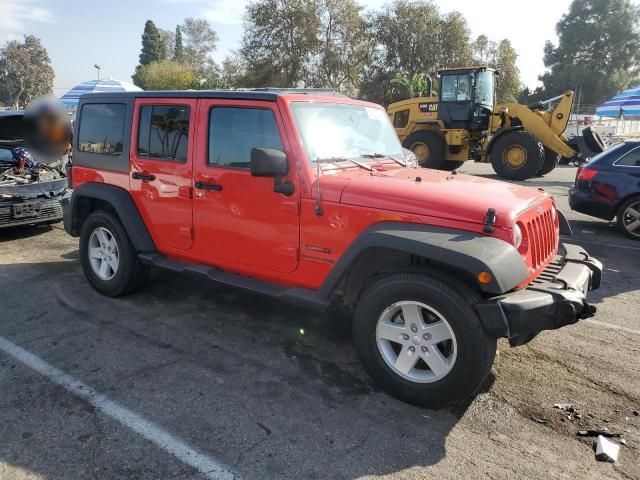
383,155
345,159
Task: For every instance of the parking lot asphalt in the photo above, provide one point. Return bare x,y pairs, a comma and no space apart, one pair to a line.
188,379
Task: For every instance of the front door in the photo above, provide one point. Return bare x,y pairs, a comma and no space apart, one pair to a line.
160,180
239,221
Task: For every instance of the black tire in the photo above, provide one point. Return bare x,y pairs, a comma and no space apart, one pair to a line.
551,161
432,144
623,220
130,274
451,165
593,140
475,348
528,153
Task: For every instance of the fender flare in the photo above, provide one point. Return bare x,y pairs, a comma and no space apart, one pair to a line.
464,251
121,201
499,134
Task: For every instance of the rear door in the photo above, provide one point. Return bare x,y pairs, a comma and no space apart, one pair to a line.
160,180
238,219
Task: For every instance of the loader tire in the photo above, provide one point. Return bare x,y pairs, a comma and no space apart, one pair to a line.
593,140
429,147
551,161
517,155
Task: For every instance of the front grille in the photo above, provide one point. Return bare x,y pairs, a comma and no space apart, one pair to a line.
541,231
49,210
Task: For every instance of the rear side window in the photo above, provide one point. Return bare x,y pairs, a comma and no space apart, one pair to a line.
631,159
233,132
163,132
102,128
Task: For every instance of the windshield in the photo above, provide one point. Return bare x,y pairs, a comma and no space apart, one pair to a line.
339,131
455,88
484,88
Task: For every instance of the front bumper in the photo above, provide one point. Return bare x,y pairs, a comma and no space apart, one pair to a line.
557,297
31,212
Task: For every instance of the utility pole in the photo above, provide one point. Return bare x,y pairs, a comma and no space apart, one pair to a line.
97,67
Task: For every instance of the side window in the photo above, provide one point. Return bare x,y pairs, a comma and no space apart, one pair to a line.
163,132
102,128
233,132
401,119
631,159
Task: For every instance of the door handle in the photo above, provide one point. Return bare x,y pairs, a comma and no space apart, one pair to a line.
144,176
208,186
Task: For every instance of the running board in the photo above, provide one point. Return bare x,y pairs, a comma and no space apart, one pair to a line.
296,295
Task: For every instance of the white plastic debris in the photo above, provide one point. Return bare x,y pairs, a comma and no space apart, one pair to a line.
606,450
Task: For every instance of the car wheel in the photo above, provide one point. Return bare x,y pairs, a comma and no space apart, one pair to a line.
108,258
517,156
550,162
429,147
629,217
421,340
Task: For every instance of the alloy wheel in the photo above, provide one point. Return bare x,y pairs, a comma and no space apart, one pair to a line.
631,219
103,253
416,342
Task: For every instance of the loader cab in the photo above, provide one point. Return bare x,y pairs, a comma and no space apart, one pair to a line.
467,97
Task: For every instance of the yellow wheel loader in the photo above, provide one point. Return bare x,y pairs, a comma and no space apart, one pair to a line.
464,123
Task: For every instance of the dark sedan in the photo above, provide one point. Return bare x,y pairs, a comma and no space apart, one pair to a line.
608,186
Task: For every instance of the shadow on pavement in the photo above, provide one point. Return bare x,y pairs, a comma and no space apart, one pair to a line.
269,389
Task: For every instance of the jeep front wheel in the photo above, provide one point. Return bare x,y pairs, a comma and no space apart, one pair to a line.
108,258
421,340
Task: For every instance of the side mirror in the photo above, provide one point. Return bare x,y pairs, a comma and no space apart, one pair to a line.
270,162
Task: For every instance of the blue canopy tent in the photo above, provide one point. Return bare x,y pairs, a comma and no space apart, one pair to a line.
72,97
624,105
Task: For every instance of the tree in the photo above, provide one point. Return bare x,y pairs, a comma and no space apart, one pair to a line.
508,84
165,75
412,37
178,47
25,71
169,39
200,40
481,48
279,41
598,50
416,86
153,45
344,47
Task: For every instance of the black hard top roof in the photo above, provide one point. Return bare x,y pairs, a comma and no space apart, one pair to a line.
267,94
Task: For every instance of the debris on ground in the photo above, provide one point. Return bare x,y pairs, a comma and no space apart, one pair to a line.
569,409
623,442
636,413
597,432
606,450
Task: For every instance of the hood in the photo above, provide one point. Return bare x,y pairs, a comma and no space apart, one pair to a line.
435,193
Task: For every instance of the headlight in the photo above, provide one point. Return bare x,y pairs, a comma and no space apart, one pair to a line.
517,236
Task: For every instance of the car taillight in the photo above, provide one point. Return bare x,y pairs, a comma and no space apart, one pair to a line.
586,174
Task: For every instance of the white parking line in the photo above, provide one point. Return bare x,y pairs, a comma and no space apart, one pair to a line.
203,463
611,326
599,244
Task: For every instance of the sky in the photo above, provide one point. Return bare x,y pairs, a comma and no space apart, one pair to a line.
81,33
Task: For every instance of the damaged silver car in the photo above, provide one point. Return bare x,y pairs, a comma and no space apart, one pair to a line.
32,186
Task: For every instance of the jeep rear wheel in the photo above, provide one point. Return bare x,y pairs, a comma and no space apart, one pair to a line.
421,340
108,258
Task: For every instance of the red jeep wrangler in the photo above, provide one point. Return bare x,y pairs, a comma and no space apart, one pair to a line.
306,195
